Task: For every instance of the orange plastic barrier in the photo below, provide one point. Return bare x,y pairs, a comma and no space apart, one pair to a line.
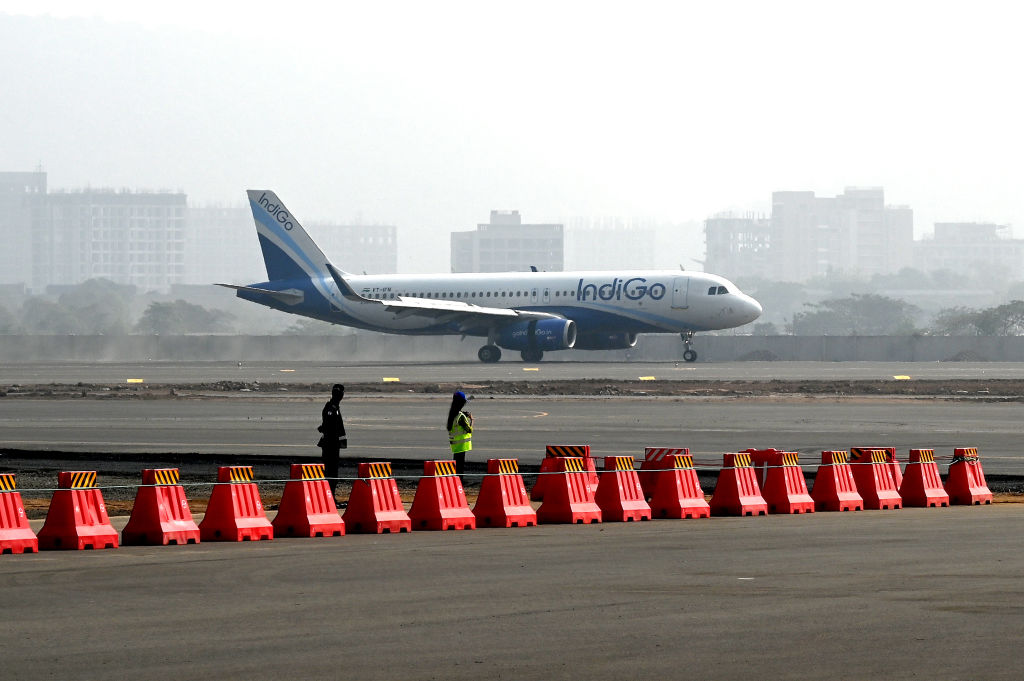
375,506
550,465
834,486
657,459
677,493
760,459
567,497
785,488
922,485
160,514
235,511
77,518
503,501
737,491
619,494
873,472
16,536
440,502
966,482
890,460
307,506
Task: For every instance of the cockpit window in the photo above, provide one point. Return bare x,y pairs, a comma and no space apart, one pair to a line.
711,291
722,290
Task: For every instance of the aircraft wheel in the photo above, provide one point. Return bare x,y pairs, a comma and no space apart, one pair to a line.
489,354
532,355
690,355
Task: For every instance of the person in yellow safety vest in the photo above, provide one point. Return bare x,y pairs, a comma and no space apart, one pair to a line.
460,431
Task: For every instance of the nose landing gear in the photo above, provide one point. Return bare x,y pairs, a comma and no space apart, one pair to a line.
689,354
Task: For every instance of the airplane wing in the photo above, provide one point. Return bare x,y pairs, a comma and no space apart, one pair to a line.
467,314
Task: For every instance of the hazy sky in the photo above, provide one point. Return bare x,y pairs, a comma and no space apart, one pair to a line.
429,114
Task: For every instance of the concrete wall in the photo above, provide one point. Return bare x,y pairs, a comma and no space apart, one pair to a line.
380,347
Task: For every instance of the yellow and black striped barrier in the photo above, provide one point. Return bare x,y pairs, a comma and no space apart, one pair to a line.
376,469
234,474
76,479
567,450
161,476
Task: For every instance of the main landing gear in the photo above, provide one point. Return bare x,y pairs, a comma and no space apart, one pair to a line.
689,354
489,354
532,355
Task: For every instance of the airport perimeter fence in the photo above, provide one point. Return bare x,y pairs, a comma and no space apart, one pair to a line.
377,347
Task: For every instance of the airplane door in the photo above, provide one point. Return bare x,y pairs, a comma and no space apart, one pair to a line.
533,295
680,293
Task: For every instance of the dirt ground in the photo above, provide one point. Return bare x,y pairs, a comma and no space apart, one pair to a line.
975,389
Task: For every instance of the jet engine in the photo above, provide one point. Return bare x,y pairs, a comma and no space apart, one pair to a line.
605,341
542,334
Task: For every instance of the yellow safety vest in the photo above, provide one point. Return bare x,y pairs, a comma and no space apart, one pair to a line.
460,436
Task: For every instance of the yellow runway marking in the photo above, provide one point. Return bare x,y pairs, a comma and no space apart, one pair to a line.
646,378
391,379
902,378
135,380
531,368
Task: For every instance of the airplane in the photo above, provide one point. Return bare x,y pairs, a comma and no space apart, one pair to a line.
532,312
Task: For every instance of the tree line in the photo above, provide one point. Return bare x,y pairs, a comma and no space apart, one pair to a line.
101,307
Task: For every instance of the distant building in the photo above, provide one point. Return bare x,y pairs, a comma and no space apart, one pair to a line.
152,240
21,196
221,245
737,245
505,244
808,236
970,247
609,244
372,249
853,233
128,237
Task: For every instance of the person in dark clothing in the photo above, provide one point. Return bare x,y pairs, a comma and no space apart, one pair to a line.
334,439
460,431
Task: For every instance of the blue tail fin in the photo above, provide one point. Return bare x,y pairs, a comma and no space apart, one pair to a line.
288,251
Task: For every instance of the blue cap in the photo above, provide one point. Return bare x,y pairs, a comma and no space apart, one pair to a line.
459,393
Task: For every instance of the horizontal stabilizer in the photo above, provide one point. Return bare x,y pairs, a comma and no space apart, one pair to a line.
288,297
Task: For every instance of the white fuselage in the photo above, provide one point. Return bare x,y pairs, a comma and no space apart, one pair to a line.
662,301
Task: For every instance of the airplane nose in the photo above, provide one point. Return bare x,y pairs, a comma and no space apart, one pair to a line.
751,309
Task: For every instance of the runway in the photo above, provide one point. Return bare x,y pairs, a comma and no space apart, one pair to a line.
476,372
384,427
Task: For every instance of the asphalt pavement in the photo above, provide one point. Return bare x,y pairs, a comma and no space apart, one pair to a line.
915,593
